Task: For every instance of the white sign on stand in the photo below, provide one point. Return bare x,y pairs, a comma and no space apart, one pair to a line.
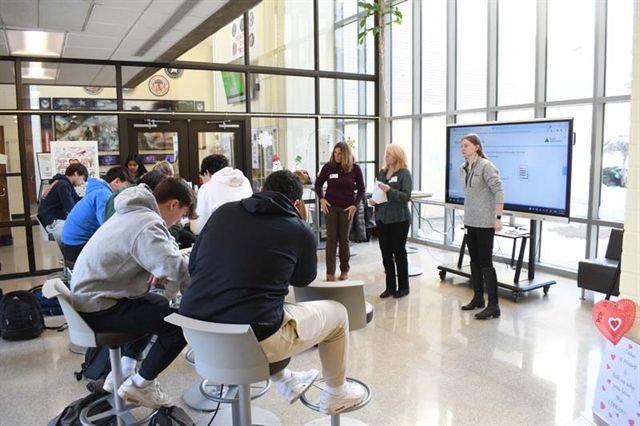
617,397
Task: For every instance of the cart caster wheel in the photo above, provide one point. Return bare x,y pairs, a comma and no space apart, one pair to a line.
443,275
545,289
515,296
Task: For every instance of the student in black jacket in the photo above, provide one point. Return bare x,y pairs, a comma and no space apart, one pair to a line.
241,266
60,198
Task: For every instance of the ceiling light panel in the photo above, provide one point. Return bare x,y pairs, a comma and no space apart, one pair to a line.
35,43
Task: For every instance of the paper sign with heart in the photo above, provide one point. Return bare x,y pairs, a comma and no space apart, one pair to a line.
614,319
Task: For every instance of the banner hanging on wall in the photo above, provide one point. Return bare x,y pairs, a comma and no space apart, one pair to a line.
65,153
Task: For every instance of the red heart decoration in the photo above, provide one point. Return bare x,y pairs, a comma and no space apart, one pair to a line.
617,415
602,406
630,347
614,319
604,389
613,356
631,422
610,415
609,381
608,366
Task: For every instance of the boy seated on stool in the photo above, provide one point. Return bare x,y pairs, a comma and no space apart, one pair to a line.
112,276
266,228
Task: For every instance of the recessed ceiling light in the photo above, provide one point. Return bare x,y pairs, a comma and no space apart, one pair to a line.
35,43
36,71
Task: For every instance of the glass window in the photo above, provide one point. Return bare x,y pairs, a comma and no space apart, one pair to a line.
516,114
184,90
434,157
434,56
581,161
343,97
402,62
516,51
283,34
563,245
339,48
288,141
69,86
619,47
570,49
471,54
280,93
7,85
401,134
615,161
479,117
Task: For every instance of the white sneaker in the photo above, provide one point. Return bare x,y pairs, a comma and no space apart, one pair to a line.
150,396
107,386
299,382
352,395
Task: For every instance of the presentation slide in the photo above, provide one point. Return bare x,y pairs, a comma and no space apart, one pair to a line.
532,159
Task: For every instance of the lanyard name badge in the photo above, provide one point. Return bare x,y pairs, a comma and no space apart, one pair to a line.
333,176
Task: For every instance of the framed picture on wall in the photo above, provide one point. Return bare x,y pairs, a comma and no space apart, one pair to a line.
44,165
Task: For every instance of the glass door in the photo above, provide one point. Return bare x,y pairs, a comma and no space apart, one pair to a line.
160,140
218,137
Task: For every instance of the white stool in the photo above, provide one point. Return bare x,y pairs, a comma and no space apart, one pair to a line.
335,419
82,335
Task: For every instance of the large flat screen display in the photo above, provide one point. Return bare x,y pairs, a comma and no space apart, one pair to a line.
534,161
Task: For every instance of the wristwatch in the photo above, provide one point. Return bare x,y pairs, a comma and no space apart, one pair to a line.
499,217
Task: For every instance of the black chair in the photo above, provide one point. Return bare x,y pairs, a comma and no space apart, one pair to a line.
597,274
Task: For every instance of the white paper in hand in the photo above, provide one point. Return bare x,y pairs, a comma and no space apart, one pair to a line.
378,195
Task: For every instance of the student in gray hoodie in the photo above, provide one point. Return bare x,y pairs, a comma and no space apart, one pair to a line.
483,204
112,276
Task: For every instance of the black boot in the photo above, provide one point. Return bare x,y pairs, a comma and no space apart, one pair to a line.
491,280
477,283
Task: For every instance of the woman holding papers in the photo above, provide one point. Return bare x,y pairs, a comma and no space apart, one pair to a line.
339,204
483,203
392,219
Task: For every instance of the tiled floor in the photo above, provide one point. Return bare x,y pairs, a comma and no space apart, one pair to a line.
428,362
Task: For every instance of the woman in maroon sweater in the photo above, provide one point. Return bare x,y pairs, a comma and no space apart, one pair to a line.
339,204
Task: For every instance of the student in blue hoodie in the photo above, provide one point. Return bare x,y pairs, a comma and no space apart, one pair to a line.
60,198
88,214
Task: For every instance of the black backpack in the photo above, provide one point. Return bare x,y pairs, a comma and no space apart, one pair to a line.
96,365
171,416
70,416
20,315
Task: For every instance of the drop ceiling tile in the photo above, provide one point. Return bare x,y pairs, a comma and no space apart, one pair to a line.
77,74
126,4
90,41
4,50
108,15
164,6
63,15
19,14
188,23
140,34
153,20
87,52
106,30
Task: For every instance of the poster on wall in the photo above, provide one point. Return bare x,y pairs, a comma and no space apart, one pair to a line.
65,153
44,165
100,128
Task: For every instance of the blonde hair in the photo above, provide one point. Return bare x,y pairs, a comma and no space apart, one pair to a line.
347,156
164,167
396,152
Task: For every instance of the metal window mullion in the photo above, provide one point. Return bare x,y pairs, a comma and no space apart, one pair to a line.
451,84
597,129
540,94
492,59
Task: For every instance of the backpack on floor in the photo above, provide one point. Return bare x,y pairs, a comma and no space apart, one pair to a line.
50,307
70,416
20,316
171,416
96,365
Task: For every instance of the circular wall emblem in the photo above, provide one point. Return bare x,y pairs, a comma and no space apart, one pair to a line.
92,90
158,85
174,72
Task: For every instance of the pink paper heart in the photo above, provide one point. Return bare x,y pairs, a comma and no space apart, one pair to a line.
602,406
604,389
609,381
613,356
614,319
608,366
631,422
